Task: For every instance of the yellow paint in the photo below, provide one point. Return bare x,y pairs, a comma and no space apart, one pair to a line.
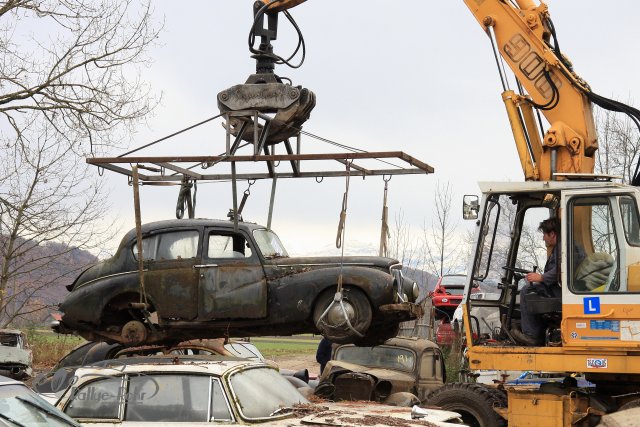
633,278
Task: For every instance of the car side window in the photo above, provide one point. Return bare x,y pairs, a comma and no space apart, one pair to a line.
219,405
177,398
228,246
96,400
170,245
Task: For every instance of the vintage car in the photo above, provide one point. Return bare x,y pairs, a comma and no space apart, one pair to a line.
447,295
15,354
384,373
204,279
198,390
19,406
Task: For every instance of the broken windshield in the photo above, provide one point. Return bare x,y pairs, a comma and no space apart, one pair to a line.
269,243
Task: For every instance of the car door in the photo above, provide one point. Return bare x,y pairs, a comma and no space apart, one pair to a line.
232,281
170,257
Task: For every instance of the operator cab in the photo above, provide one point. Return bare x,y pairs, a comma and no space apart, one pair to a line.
599,249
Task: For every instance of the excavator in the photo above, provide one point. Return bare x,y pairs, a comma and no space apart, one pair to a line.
592,331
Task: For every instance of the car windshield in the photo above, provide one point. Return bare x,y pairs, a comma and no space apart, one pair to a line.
245,350
454,290
269,243
21,407
261,392
452,280
378,357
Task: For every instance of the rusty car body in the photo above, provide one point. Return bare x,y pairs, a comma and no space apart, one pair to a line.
15,354
204,279
401,365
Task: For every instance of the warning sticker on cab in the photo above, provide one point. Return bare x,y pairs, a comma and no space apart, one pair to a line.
597,363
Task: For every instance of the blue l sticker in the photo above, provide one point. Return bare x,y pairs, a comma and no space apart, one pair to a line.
592,305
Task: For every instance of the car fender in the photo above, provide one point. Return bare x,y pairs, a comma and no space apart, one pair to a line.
86,303
299,290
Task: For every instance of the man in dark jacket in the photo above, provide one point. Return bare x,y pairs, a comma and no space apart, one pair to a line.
545,284
323,354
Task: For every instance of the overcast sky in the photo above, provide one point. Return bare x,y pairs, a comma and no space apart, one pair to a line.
416,76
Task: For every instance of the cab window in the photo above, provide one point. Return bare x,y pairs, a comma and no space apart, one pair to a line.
594,254
630,222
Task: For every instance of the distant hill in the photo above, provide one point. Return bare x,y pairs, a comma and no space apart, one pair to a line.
39,276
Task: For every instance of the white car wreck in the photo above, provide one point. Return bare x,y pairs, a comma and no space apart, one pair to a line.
225,391
15,355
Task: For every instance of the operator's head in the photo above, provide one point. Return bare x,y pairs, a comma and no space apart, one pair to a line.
550,230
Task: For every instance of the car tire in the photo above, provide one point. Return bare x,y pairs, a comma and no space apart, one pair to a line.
474,403
356,302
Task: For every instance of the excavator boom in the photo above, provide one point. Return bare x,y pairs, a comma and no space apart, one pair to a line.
522,37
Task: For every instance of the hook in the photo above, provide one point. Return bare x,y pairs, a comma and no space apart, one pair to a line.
385,179
100,171
321,179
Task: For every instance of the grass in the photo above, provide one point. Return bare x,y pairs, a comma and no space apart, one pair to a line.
48,347
282,346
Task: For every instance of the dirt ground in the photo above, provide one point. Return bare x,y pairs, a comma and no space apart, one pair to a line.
298,362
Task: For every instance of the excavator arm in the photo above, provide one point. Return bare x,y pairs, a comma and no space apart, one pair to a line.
521,34
280,5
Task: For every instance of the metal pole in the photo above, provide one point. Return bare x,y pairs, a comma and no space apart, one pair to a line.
136,207
273,197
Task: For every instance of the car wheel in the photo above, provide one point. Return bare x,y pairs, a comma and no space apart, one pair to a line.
333,325
474,403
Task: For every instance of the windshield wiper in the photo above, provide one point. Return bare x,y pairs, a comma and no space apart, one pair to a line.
11,420
48,411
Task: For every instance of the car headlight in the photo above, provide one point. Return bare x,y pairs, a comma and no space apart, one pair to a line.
415,290
445,300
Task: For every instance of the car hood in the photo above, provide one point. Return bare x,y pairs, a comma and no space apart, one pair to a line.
335,261
372,414
380,373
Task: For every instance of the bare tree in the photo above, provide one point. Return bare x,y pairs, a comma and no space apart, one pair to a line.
69,85
440,244
75,63
618,144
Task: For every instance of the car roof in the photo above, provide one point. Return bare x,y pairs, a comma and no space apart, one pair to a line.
414,343
216,365
11,331
187,223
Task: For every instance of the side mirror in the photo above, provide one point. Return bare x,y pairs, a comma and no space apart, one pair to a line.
470,207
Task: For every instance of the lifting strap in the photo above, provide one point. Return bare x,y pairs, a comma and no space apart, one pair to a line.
384,228
185,198
245,196
343,212
337,298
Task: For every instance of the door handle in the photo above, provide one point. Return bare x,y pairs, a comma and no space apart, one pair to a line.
205,265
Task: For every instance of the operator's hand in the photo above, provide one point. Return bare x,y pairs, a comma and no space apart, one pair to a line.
534,277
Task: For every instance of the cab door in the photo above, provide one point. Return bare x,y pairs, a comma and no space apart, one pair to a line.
231,277
600,262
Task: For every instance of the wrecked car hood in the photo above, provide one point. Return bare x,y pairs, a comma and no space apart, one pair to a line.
371,414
